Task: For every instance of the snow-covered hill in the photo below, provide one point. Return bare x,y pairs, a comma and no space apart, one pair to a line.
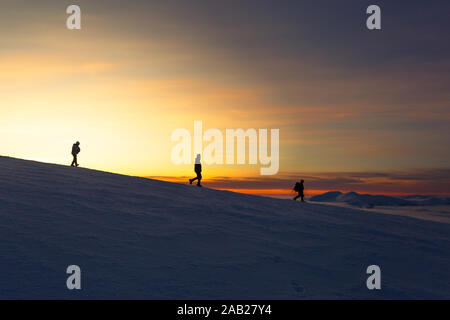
141,238
370,201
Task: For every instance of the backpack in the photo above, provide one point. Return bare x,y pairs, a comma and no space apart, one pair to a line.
297,186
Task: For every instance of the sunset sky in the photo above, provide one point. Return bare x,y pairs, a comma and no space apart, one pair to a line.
357,110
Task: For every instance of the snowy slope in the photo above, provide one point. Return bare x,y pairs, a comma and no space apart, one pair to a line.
147,239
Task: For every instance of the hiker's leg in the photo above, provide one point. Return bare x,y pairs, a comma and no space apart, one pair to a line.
296,197
199,177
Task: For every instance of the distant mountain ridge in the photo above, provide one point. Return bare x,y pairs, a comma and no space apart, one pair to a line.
370,201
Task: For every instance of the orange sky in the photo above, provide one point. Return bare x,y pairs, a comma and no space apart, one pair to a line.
126,81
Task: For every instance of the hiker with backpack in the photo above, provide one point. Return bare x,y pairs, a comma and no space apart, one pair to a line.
299,188
75,151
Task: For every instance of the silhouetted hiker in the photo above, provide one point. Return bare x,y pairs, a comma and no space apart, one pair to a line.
198,171
299,188
75,151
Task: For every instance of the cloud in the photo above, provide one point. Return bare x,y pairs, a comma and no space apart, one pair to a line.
32,67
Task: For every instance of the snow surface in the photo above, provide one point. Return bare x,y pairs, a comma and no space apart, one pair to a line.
137,238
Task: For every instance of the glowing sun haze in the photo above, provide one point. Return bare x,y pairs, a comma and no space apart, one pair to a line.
346,100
